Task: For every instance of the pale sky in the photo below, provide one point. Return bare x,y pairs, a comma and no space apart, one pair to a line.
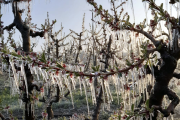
69,13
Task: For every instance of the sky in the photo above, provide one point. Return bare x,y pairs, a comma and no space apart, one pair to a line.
70,14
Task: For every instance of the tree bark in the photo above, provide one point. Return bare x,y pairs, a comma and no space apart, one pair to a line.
163,77
98,107
25,33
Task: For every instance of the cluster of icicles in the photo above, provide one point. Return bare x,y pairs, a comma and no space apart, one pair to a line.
128,86
50,77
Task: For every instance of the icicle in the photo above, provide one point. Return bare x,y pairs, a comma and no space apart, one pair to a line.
105,84
30,67
69,87
152,70
2,66
160,29
103,90
36,68
43,74
172,118
10,85
109,90
178,9
80,86
46,75
20,102
25,79
137,81
119,82
15,75
61,84
166,5
9,71
124,105
73,82
170,10
142,86
146,10
133,79
129,99
116,83
93,94
108,93
52,77
86,95
173,36
122,84
7,110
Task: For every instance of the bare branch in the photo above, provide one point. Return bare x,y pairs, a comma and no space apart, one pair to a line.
35,34
74,32
163,34
9,27
65,37
176,75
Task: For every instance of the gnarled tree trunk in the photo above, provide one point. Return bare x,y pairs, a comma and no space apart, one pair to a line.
26,32
163,77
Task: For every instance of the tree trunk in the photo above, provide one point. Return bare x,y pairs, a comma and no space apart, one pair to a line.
163,77
50,112
29,115
77,55
25,33
98,107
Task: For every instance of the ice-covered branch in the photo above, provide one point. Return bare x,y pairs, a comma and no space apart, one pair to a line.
149,36
114,22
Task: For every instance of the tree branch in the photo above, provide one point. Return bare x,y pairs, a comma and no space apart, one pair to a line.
9,27
2,117
55,98
174,102
155,42
6,2
35,34
176,75
42,100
